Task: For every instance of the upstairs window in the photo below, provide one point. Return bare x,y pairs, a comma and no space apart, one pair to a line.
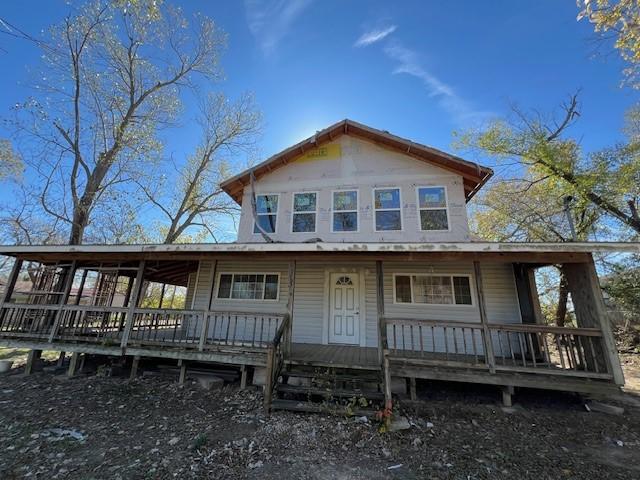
433,289
432,205
386,203
248,286
266,213
304,212
345,211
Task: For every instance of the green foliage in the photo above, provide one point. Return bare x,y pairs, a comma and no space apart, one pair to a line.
10,162
606,182
618,20
623,285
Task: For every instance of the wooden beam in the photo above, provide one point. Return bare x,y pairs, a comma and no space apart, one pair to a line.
11,283
183,371
133,303
135,363
588,302
205,313
68,283
290,305
32,360
382,328
73,364
488,341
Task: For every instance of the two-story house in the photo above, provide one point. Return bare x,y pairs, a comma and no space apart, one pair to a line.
353,255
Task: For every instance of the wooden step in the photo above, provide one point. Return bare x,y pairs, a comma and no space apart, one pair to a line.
338,377
295,406
342,393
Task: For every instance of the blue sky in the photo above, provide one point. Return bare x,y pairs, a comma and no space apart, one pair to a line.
419,69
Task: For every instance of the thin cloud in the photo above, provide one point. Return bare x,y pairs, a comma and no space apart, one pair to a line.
409,63
269,21
373,36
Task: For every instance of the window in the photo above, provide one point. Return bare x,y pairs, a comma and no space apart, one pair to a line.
433,289
386,203
266,213
345,211
304,212
432,205
248,286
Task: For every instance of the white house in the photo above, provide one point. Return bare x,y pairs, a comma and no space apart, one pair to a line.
353,254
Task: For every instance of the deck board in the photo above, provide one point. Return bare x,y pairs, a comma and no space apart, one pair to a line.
343,356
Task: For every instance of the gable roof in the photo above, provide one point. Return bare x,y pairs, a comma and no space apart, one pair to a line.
474,175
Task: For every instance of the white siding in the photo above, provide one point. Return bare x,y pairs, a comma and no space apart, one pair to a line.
363,166
310,302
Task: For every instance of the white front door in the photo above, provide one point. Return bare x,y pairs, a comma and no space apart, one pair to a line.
344,311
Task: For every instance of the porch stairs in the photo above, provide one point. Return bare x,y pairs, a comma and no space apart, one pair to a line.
335,390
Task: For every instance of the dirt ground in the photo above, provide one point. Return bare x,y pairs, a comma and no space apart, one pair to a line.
98,427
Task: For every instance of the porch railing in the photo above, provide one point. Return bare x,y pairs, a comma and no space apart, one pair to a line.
185,329
275,360
577,352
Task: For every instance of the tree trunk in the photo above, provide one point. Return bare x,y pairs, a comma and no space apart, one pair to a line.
563,296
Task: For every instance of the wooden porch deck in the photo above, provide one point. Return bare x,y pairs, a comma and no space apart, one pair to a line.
338,356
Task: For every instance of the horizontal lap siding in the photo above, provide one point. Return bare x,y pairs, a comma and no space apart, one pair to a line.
311,300
500,299
310,297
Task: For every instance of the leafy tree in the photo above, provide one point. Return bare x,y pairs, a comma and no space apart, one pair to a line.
608,179
531,208
112,78
192,196
618,20
622,284
10,162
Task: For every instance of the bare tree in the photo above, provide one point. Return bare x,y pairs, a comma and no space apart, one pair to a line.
193,197
113,78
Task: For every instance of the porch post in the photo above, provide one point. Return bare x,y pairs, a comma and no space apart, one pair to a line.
382,330
205,314
488,343
586,294
11,284
133,303
290,301
68,283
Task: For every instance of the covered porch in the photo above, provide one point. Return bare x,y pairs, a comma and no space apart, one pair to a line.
488,342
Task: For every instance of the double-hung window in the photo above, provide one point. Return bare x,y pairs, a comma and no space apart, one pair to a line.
305,207
248,286
387,206
432,206
433,289
345,211
266,213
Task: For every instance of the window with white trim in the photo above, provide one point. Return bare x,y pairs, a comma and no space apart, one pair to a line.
266,213
432,206
249,286
433,289
387,209
304,212
345,211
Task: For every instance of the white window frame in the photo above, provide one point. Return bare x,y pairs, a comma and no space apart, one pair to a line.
357,212
373,204
277,214
446,207
230,299
444,274
315,212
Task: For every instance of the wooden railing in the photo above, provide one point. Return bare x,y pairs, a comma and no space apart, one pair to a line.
549,349
185,329
577,352
436,342
275,360
27,320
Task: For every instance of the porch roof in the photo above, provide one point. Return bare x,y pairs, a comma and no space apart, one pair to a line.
521,252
